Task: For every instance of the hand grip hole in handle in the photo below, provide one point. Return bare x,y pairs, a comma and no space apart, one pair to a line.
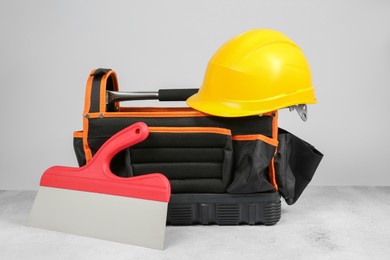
137,131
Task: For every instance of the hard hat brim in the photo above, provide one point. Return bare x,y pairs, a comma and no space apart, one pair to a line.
226,108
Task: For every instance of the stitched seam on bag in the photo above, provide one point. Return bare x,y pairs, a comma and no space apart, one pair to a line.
78,134
212,130
285,164
272,170
149,114
260,137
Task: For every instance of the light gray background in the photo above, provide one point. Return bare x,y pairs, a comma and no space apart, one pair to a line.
47,49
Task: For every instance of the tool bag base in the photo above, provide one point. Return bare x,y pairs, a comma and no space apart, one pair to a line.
224,209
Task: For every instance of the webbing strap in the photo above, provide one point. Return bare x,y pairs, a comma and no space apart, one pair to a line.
98,82
96,91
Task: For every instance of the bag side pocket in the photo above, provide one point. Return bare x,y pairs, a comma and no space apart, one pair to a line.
295,164
251,164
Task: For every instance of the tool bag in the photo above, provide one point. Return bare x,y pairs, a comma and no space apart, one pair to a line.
221,170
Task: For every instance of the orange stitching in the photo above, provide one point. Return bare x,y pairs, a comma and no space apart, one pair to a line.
215,130
272,173
78,134
263,138
149,114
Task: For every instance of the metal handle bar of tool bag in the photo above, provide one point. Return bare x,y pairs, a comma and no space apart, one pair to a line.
161,95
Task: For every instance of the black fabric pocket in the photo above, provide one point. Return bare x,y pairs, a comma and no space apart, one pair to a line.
251,167
194,159
78,147
295,164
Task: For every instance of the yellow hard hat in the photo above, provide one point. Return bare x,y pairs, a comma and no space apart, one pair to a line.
256,72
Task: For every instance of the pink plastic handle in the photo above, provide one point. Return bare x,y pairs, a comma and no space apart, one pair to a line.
97,177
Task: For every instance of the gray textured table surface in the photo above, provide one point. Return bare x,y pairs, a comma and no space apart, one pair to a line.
326,223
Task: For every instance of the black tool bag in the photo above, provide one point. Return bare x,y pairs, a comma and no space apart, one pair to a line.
222,170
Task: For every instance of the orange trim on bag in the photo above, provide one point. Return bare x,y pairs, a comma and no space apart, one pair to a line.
269,114
149,114
88,90
213,130
158,109
103,89
87,150
87,105
275,126
272,173
102,105
263,138
116,88
78,134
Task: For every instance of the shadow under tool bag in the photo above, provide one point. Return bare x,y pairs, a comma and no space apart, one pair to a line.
224,171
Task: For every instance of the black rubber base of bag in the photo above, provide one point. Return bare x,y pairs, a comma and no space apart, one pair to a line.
224,209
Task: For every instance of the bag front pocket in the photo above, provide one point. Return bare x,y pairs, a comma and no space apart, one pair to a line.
295,163
194,159
252,157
